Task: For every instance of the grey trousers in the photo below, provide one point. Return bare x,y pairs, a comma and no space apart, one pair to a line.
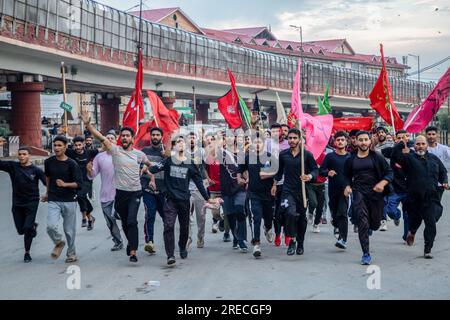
197,202
108,213
66,210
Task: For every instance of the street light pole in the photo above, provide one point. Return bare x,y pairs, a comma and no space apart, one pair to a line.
418,74
299,28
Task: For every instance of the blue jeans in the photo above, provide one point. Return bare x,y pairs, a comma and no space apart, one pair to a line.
233,207
260,209
391,209
152,203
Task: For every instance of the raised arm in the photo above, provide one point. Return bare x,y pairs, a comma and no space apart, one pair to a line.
86,118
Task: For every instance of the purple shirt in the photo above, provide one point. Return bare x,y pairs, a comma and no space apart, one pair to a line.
103,164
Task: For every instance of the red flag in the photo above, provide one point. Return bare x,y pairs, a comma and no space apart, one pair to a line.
135,108
381,98
228,106
419,118
296,111
164,118
353,123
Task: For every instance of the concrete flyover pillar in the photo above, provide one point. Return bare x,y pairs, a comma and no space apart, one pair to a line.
109,112
26,112
202,111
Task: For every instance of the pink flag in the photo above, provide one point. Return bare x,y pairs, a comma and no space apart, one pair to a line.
296,111
419,118
318,129
318,132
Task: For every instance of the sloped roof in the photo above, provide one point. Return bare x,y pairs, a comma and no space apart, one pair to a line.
157,15
252,32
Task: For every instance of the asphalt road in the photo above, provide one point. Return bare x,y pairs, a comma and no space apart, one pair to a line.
217,271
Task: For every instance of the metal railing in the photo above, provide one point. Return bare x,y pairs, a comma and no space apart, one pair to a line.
116,30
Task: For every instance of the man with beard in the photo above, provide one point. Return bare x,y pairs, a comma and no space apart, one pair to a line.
284,131
25,179
83,156
127,168
89,143
178,171
352,145
333,168
291,203
424,173
368,174
103,165
153,188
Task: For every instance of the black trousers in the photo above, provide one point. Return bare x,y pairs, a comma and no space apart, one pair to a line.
172,209
368,209
127,205
24,219
316,200
295,213
427,209
82,198
338,204
279,218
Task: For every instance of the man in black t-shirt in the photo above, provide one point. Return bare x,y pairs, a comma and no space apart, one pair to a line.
368,174
83,156
258,164
153,190
63,179
25,179
333,168
291,203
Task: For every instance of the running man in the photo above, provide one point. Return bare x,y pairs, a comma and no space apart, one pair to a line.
83,156
25,179
153,188
424,174
178,171
292,205
127,169
260,181
103,165
63,179
333,168
367,174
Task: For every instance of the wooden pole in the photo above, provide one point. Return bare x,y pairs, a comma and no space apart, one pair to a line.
302,150
63,72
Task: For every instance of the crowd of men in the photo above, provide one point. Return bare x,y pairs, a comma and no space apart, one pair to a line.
262,181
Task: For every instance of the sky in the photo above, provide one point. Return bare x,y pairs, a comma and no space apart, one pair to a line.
417,27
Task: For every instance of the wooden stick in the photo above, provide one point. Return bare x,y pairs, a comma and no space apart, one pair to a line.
63,71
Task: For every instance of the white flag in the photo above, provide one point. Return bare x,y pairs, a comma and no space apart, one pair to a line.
281,113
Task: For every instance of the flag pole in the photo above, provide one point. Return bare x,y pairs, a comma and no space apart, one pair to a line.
302,150
63,71
139,61
387,88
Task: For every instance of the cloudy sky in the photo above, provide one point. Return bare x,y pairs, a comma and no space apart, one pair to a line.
419,27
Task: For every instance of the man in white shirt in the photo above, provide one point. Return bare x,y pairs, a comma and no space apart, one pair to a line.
439,150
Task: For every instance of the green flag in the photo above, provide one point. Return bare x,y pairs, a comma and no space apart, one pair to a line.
324,105
245,112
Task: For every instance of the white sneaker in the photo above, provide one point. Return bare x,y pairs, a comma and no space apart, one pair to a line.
215,227
150,247
316,229
257,251
383,225
270,236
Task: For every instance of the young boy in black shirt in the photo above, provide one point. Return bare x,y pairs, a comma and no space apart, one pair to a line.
25,179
